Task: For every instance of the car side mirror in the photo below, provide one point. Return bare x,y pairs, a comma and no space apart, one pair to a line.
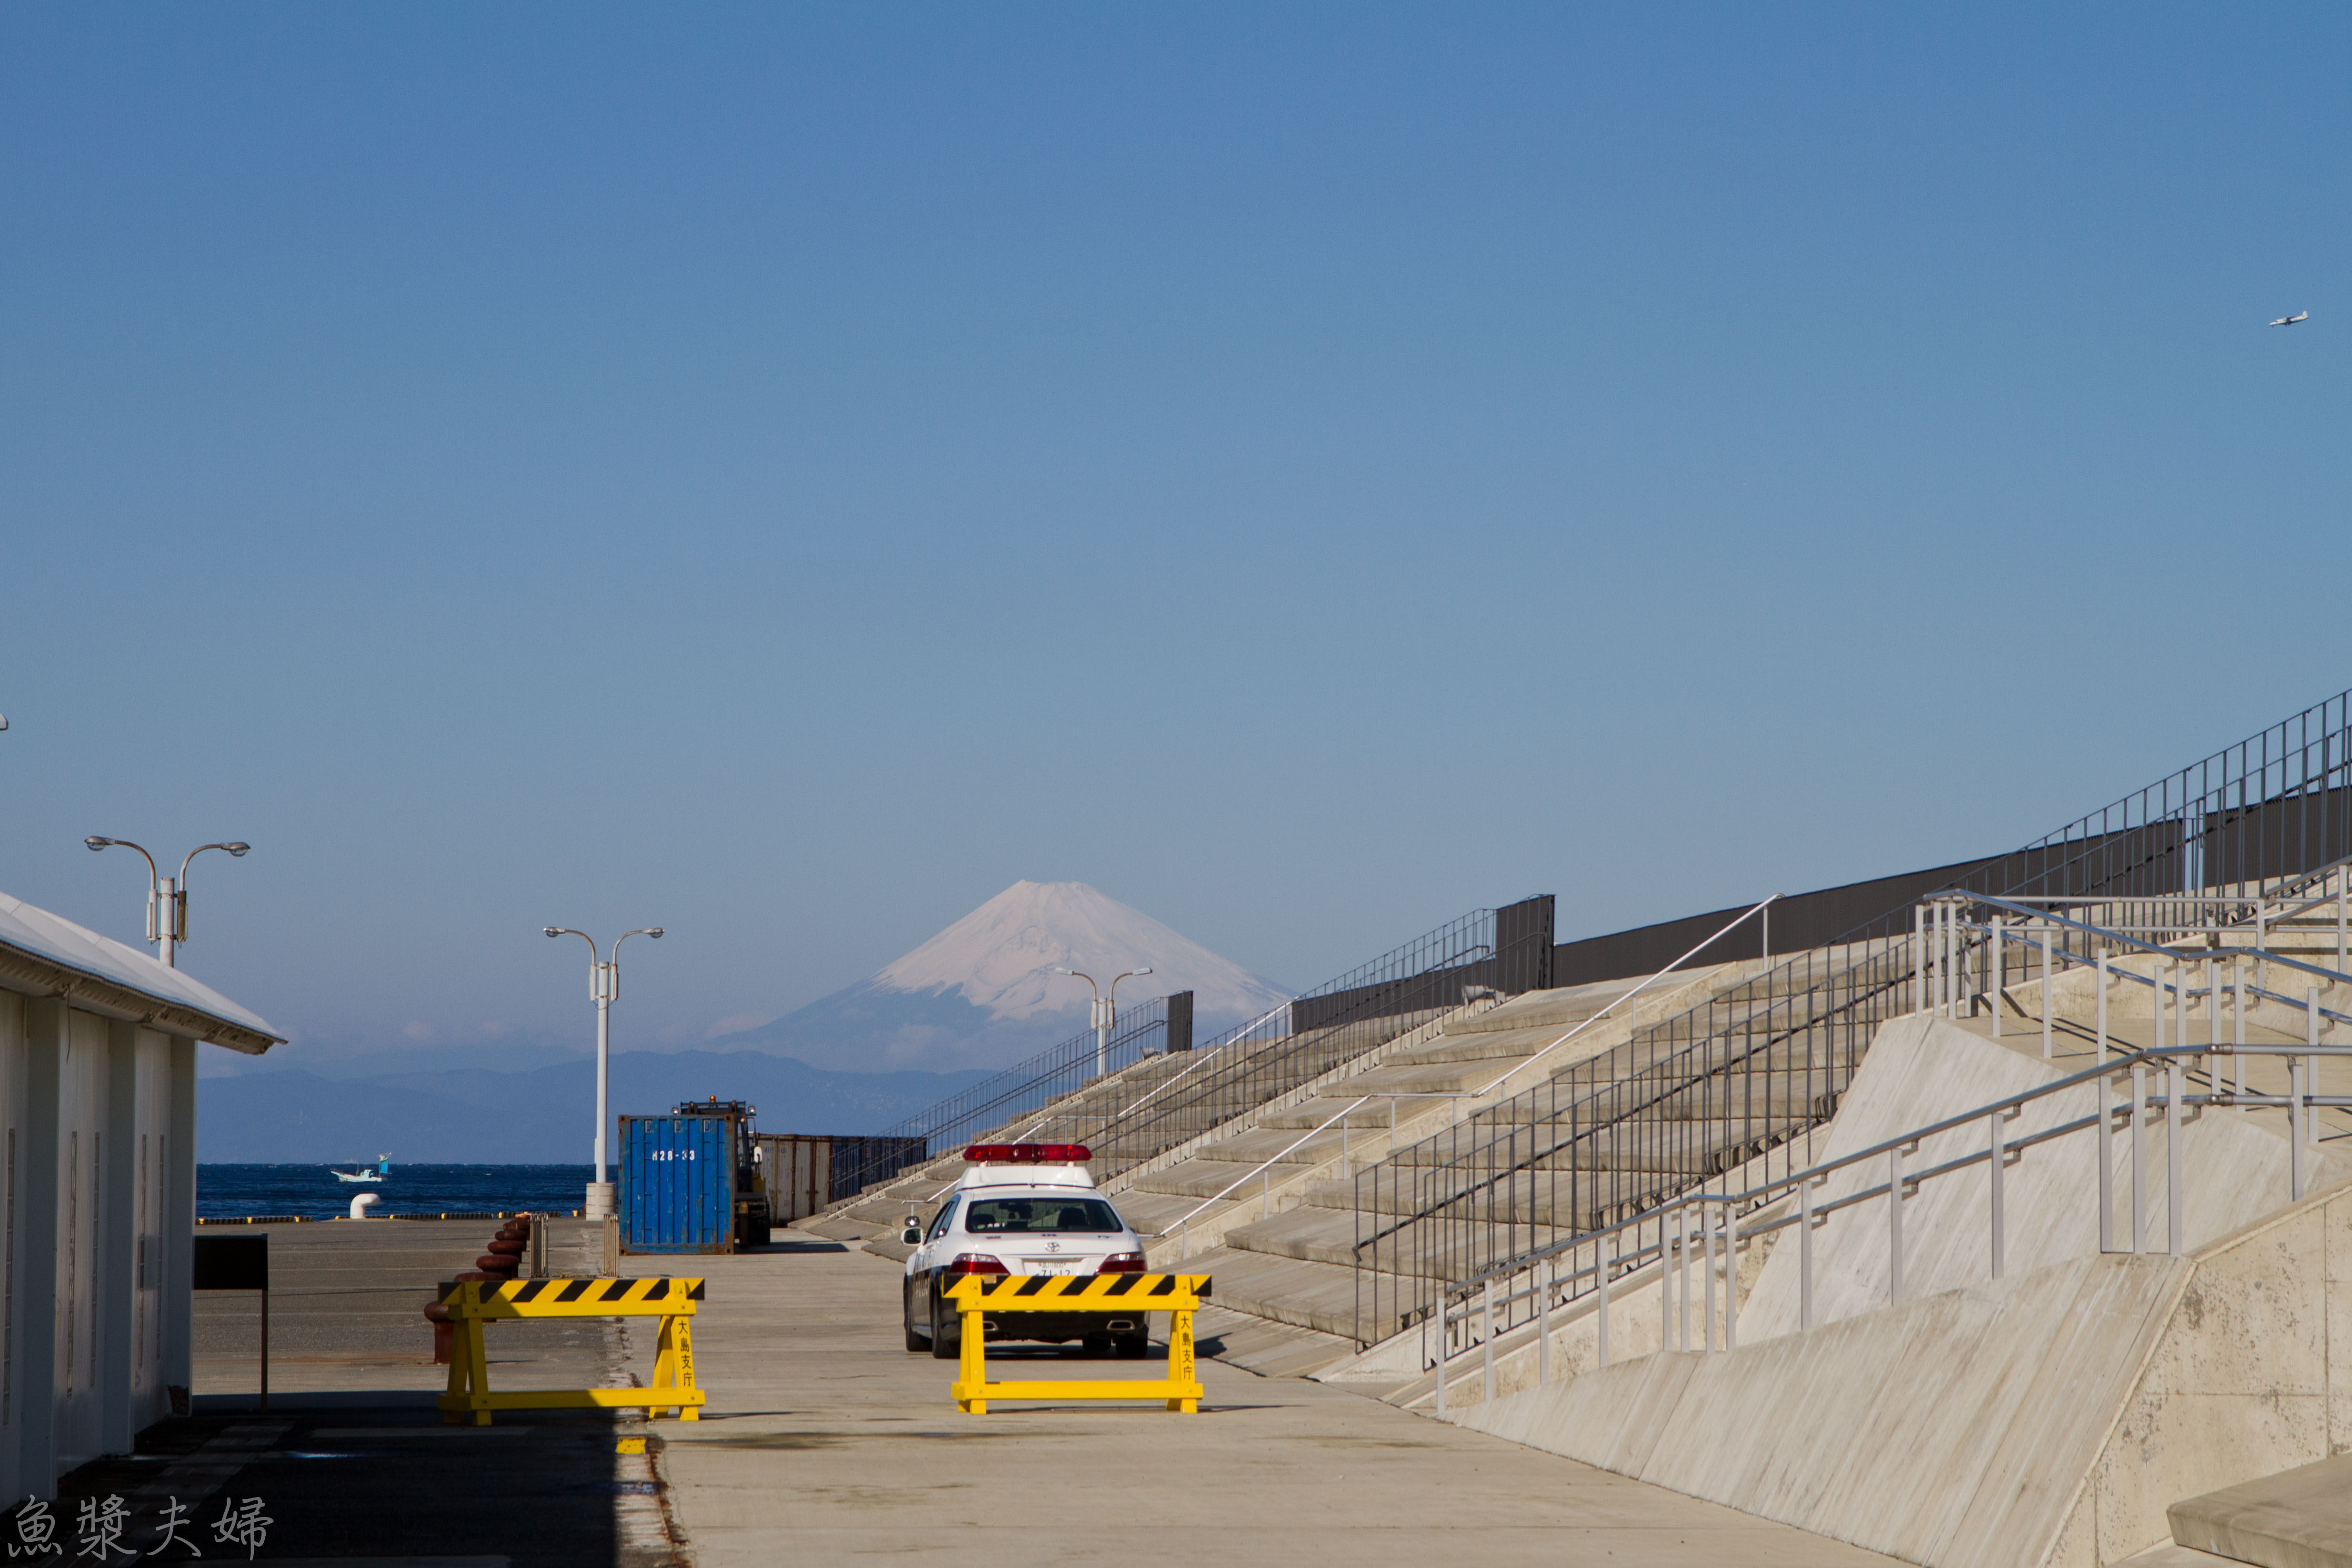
912,1236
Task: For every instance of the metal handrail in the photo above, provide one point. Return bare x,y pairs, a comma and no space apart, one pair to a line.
1514,1071
2157,949
1756,1198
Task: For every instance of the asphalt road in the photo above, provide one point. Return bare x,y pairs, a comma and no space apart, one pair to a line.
826,1441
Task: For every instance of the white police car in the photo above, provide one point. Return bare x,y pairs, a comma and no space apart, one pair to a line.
1021,1209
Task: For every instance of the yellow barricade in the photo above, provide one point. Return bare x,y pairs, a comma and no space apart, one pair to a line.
475,1302
1179,1295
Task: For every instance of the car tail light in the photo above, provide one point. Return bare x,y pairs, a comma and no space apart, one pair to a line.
1122,1263
975,1263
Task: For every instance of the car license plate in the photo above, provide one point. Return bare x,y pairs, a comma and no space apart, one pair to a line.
1051,1265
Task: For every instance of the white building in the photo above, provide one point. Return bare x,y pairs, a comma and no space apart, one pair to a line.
98,1188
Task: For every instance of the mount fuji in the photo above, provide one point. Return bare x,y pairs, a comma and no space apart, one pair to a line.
983,992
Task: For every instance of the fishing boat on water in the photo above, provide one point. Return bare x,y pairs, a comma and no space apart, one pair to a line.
382,1171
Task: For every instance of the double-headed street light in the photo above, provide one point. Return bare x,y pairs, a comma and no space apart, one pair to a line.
604,985
167,897
1104,1011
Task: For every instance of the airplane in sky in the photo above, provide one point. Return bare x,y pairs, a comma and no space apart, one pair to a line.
2291,321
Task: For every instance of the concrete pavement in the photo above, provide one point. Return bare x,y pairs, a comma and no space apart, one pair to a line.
824,1441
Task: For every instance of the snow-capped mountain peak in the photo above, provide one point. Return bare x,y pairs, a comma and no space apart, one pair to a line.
1000,957
983,993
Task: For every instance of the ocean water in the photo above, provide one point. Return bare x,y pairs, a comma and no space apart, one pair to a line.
230,1192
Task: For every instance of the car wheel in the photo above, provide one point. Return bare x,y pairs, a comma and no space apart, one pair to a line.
945,1346
1097,1345
907,1313
1133,1346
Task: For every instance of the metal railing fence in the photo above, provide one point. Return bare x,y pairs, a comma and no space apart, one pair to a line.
1753,1071
1356,1013
1126,1117
1708,1229
1023,1087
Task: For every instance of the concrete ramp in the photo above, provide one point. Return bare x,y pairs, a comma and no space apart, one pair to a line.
1952,1431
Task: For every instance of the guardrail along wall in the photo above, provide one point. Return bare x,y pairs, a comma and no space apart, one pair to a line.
1752,1072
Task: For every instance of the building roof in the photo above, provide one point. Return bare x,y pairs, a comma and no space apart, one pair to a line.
104,976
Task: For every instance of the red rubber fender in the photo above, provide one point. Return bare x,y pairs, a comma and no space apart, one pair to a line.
496,1268
436,1311
506,1248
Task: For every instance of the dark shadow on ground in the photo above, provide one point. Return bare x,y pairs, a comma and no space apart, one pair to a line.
377,1476
799,1247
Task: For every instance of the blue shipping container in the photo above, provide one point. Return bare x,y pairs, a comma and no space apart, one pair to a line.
678,1185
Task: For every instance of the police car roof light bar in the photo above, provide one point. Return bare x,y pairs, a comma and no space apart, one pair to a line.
1028,1154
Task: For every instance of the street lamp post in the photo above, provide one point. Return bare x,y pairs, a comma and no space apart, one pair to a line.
167,897
604,985
1104,1011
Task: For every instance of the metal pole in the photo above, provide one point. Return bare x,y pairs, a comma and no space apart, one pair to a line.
1805,1254
1730,1277
604,1078
1895,1226
1707,1253
1665,1292
2049,1002
1608,1267
1543,1328
2340,927
1950,986
1919,957
2105,1147
168,914
2311,1062
1682,1264
2294,1129
1996,973
1488,1336
2176,1080
2212,1012
2238,980
2138,1157
1998,1170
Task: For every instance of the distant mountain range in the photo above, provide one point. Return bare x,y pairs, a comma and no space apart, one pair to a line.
983,992
545,1115
980,995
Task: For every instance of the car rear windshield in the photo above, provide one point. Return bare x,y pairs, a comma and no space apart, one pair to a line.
1039,1216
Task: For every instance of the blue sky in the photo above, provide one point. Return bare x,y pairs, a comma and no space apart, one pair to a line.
786,473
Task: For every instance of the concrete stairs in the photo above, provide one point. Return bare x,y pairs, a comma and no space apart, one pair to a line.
1274,1209
2300,1517
1137,1118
